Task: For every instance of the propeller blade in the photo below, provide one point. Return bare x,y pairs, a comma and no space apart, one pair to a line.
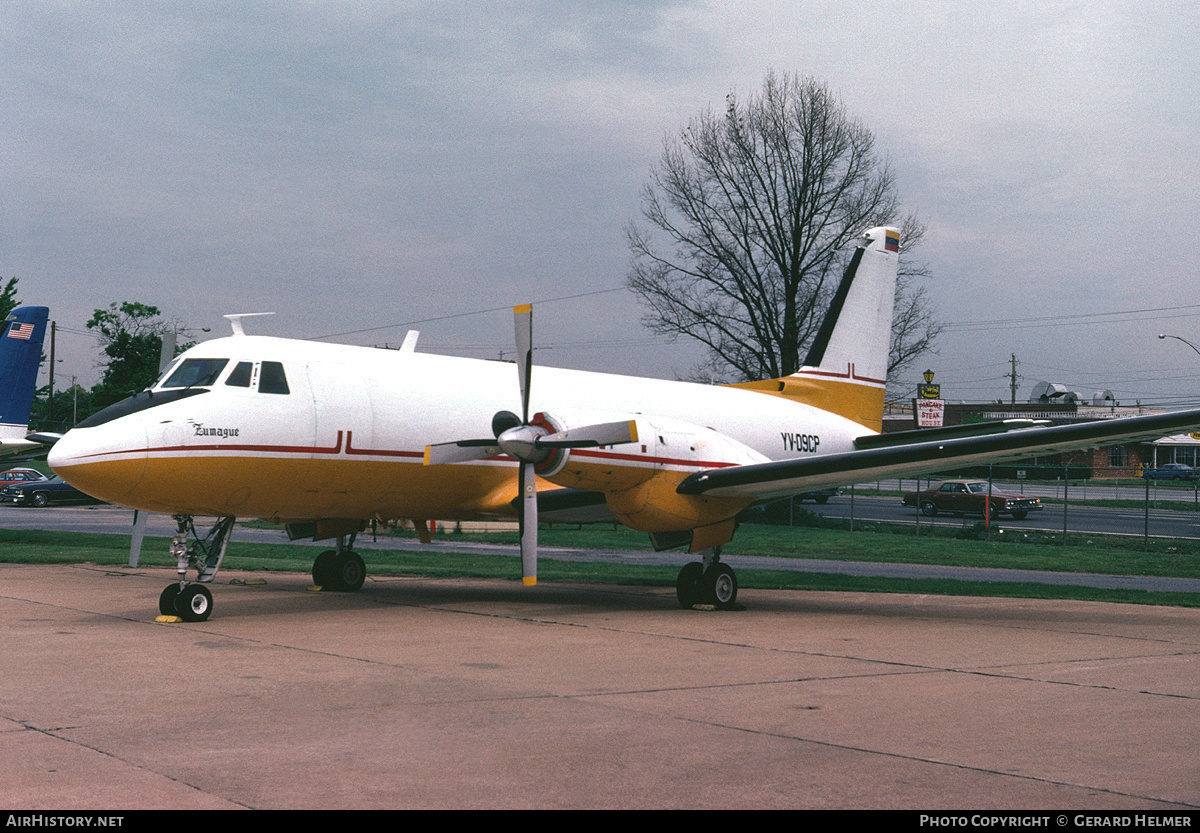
590,436
529,525
523,324
462,451
139,533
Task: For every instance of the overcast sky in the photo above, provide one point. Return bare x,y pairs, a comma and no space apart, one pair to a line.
359,166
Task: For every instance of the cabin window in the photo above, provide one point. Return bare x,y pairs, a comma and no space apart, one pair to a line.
272,379
195,373
239,377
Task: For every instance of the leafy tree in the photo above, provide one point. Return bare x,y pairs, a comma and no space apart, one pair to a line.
72,404
758,207
8,298
132,336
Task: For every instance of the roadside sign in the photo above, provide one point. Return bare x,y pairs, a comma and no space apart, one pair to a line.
929,412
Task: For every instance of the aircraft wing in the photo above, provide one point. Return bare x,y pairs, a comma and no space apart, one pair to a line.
876,458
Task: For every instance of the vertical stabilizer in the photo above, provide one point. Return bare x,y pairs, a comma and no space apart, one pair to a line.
845,371
854,337
20,354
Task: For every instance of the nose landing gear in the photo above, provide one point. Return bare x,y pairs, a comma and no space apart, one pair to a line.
192,601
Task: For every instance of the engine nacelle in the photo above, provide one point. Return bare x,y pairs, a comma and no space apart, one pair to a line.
639,479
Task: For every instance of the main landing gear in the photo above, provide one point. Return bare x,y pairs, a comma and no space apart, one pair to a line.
192,601
341,569
708,583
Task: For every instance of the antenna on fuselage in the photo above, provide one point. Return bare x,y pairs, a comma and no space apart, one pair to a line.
235,321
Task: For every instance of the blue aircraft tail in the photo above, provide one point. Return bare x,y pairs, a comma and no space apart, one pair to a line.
21,339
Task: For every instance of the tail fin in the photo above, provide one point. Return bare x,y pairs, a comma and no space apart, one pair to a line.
845,371
21,338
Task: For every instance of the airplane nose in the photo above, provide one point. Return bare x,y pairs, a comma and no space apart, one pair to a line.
102,463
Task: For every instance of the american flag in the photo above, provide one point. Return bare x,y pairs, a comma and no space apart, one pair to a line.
20,330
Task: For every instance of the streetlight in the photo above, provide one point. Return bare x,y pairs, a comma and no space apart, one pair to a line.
1184,340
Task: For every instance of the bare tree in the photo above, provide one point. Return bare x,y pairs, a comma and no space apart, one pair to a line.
914,328
758,208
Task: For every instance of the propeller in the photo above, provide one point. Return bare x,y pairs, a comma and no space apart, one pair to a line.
530,443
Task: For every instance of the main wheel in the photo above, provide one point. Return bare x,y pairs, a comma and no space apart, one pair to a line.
194,603
927,508
324,571
351,571
720,586
166,600
687,585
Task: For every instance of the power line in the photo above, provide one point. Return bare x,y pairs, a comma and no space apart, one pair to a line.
464,314
1183,311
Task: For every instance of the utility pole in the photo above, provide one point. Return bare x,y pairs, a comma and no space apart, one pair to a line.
50,395
1012,375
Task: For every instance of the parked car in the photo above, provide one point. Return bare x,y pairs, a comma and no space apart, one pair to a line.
43,493
20,476
1173,471
968,497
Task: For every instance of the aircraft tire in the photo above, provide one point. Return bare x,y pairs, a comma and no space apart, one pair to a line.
687,585
324,571
351,571
194,603
166,600
720,586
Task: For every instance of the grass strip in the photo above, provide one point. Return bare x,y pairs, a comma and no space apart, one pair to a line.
30,546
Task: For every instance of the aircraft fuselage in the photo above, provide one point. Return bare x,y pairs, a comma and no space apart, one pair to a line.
347,438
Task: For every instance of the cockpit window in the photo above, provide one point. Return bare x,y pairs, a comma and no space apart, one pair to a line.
239,377
162,376
272,379
195,373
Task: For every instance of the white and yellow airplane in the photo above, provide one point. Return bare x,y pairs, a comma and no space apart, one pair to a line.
325,437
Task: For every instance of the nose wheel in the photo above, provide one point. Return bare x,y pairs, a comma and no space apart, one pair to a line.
190,602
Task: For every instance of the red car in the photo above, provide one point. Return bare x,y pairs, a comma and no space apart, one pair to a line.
21,476
968,497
